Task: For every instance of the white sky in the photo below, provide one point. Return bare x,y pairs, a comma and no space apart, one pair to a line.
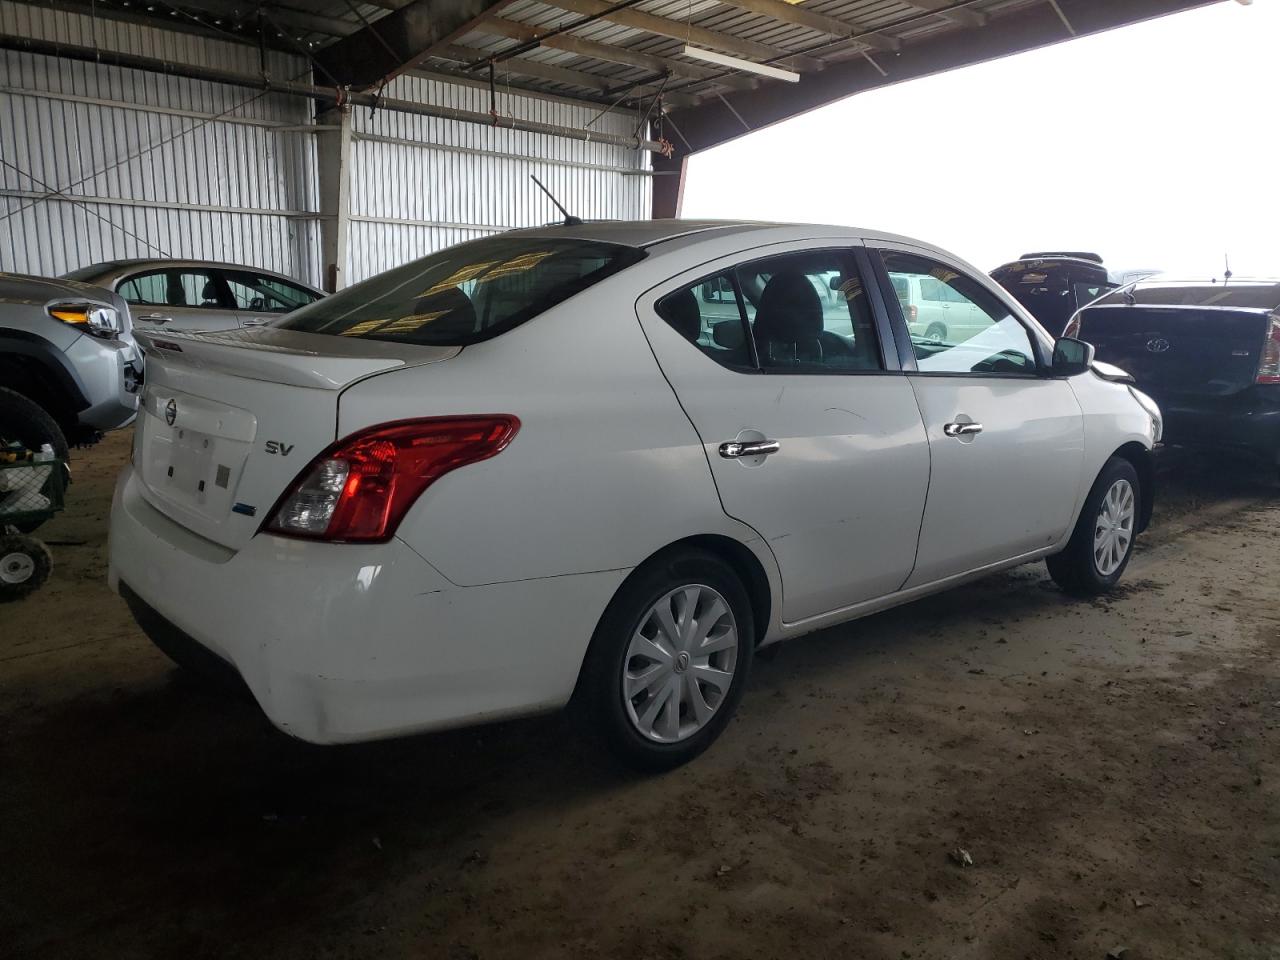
1162,150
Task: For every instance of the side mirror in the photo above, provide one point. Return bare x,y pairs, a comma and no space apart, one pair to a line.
1071,357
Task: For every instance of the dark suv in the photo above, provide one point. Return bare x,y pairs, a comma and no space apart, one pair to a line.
1053,286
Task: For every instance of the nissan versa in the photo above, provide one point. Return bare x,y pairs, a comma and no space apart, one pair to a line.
543,468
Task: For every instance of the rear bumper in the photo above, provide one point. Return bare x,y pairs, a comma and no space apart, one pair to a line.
346,642
1248,423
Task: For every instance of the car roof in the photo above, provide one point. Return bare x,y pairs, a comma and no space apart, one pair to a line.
648,233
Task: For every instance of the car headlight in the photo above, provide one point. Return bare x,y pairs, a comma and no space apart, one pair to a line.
1153,410
98,320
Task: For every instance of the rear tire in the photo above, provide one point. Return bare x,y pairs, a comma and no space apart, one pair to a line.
685,680
1100,546
25,564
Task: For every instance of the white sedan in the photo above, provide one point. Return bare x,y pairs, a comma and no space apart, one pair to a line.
546,468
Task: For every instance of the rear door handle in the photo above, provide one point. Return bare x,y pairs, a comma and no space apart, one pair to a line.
256,322
155,318
962,429
736,449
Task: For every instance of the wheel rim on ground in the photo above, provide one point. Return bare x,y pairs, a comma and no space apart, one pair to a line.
680,663
1113,530
936,332
16,568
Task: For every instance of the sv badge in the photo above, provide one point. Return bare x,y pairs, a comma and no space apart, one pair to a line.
280,448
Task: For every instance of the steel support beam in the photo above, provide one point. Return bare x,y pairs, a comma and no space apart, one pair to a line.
606,52
324,95
818,22
333,162
688,33
398,41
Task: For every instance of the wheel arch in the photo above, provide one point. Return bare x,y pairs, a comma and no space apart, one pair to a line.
1144,464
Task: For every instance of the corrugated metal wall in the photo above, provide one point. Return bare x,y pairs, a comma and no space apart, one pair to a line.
421,183
160,178
100,163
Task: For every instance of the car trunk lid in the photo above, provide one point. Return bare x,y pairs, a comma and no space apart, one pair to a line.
229,419
1180,351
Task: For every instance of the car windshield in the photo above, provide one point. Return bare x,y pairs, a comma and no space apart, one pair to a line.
467,293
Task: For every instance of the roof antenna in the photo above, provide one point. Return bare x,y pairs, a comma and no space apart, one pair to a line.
1226,273
569,219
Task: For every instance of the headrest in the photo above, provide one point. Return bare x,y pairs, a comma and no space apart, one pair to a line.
682,312
789,314
209,291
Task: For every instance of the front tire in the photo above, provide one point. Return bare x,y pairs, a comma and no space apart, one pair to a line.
25,564
1102,542
668,662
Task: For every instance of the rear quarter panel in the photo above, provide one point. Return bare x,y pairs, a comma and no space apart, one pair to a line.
605,470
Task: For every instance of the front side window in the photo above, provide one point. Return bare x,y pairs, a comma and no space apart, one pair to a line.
796,313
964,328
263,294
467,293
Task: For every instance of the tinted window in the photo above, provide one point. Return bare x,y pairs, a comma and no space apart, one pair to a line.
263,294
466,293
707,315
198,288
146,289
809,313
981,335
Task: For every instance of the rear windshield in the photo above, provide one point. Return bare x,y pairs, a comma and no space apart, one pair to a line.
467,293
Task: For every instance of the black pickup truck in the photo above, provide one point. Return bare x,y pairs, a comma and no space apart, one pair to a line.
1209,354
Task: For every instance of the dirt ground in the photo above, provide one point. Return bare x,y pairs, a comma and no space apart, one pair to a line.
1110,767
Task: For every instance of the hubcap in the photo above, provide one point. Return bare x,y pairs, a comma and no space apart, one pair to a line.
1113,531
16,568
680,663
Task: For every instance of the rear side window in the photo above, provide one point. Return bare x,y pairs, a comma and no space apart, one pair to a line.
795,313
263,294
467,293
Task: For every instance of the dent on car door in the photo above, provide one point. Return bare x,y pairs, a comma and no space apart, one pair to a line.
1006,441
811,440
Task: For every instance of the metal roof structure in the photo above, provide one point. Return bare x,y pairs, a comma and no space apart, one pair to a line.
630,55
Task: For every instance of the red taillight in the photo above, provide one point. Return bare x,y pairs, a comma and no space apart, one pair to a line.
1073,328
913,313
360,488
1269,365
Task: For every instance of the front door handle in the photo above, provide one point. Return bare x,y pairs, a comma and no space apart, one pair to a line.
736,449
962,429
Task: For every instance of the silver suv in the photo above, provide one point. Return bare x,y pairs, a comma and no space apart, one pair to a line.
69,369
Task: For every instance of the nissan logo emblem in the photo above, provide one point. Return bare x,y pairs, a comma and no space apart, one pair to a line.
1158,345
171,412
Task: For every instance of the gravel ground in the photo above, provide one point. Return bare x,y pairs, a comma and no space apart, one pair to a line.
1109,768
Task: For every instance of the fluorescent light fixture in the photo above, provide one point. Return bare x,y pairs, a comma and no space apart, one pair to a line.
724,60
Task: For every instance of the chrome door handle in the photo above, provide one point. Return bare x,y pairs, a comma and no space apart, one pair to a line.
735,449
155,318
256,322
961,429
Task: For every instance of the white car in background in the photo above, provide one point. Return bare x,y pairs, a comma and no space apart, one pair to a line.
519,473
935,310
